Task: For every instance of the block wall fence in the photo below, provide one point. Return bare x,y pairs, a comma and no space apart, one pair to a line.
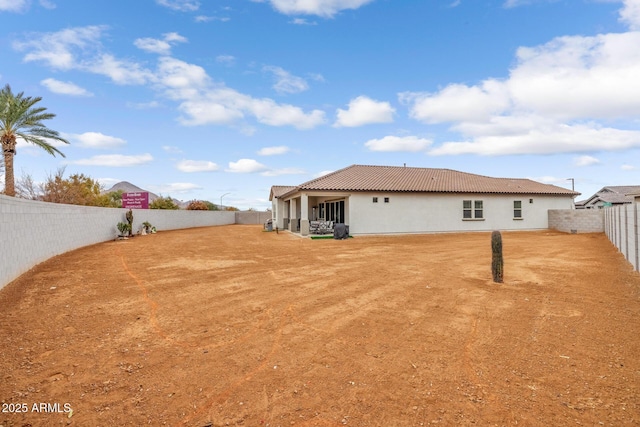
621,227
576,220
32,232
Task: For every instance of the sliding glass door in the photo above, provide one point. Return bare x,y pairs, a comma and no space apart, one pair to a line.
332,211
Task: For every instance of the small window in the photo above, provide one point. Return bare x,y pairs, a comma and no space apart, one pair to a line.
477,212
517,209
466,209
386,200
375,200
530,200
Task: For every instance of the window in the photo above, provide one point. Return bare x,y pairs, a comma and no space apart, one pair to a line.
375,200
466,209
472,209
386,200
517,209
477,213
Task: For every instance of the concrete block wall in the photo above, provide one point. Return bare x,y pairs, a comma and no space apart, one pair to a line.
252,217
622,228
32,232
580,220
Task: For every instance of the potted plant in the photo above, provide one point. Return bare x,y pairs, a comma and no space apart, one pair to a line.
123,228
147,227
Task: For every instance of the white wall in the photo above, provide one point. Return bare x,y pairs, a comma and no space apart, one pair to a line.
428,213
622,227
32,232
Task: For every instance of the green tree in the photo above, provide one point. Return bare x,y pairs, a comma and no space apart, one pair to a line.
163,203
211,206
112,199
78,189
21,118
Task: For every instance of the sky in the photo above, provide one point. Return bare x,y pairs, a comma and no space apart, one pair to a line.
216,99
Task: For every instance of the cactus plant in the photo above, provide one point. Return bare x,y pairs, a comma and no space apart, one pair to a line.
497,262
129,217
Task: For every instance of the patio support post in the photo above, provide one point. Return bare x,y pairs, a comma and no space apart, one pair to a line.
293,223
304,215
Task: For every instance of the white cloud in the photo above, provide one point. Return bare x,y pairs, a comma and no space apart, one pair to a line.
204,18
324,8
283,171
226,59
302,21
551,138
47,4
161,47
272,151
196,166
200,99
626,167
59,50
180,5
144,105
585,161
246,166
121,72
77,48
458,102
285,81
398,143
172,149
96,140
14,5
364,110
64,88
323,173
176,187
630,14
221,105
547,179
559,97
115,160
515,3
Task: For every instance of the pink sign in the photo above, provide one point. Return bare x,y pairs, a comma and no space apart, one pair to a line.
137,200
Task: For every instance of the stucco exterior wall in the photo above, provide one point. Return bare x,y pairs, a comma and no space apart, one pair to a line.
577,220
432,213
31,231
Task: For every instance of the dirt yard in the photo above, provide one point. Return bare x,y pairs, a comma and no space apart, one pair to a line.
235,326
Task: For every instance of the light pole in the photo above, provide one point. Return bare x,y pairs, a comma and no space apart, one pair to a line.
225,194
572,183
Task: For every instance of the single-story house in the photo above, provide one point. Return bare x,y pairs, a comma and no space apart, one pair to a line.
390,199
613,195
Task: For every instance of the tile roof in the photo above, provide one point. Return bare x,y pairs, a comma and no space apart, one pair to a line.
279,190
614,194
425,180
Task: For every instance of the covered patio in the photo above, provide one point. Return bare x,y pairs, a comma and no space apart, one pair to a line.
309,212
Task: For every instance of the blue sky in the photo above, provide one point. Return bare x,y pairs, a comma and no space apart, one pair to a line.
196,99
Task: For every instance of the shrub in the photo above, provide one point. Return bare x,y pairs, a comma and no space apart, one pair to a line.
197,205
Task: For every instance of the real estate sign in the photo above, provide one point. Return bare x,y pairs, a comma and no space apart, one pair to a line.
137,200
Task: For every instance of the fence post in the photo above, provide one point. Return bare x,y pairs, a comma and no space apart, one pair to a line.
635,233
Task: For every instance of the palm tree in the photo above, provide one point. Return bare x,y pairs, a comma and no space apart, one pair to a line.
20,118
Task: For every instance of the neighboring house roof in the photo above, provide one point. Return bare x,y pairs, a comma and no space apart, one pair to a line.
614,194
424,180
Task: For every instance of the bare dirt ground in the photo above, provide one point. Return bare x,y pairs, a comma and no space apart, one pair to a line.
235,326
